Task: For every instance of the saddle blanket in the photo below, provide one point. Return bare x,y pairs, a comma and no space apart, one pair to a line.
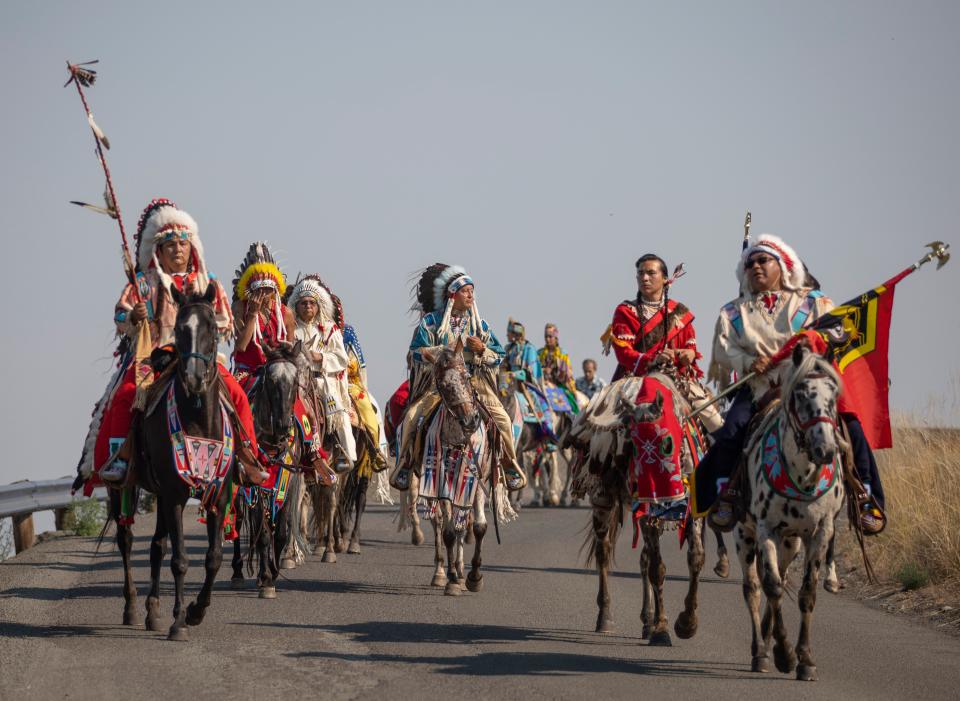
449,472
655,475
199,461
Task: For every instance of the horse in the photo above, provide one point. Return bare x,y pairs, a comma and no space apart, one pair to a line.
792,468
604,437
273,395
188,405
460,452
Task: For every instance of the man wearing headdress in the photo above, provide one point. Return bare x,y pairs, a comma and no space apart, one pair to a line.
369,417
262,322
445,298
776,301
169,253
523,364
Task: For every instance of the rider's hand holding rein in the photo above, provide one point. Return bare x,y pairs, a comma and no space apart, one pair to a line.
138,313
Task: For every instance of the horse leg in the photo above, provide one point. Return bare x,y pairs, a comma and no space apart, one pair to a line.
265,550
360,505
436,519
769,549
553,475
656,573
646,604
316,498
408,500
816,549
131,617
157,547
236,563
475,578
178,565
747,553
686,624
212,563
329,523
722,568
604,513
831,582
450,540
290,554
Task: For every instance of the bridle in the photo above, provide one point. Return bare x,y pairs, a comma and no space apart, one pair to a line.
208,359
799,427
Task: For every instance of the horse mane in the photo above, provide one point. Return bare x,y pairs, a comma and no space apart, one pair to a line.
811,361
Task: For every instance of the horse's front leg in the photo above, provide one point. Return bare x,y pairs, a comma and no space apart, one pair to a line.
451,540
266,579
178,565
646,589
656,573
686,624
214,559
554,485
745,542
408,501
816,550
131,617
437,521
157,547
769,549
360,505
329,523
605,511
475,578
236,563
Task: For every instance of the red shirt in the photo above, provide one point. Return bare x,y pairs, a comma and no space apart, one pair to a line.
636,345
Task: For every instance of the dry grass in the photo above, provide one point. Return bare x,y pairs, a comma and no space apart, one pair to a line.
921,479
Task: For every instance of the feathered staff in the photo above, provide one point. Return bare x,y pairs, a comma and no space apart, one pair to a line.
84,77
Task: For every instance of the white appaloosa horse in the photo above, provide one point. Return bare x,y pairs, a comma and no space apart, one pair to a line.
795,479
604,436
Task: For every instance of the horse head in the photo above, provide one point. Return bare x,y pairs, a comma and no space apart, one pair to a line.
282,379
195,337
810,400
453,383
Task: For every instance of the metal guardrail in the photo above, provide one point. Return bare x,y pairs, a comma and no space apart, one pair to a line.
21,499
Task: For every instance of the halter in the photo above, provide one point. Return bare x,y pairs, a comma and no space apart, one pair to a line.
208,359
799,427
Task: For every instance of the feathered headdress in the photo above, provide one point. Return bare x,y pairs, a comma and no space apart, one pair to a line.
433,294
514,326
162,221
312,287
793,272
258,271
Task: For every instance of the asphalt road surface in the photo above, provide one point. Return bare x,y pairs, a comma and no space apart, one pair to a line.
372,627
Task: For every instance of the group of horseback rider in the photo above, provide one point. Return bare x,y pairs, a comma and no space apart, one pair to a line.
263,315
778,297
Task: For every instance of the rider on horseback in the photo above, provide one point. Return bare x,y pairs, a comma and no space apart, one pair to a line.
445,298
367,412
317,328
556,365
262,322
777,299
169,252
525,376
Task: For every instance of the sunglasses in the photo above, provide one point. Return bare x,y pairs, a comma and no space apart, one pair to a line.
759,260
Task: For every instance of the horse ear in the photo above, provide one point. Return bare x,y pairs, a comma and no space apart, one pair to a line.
175,295
297,347
799,351
210,296
658,402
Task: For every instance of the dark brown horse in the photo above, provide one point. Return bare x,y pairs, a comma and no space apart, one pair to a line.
196,389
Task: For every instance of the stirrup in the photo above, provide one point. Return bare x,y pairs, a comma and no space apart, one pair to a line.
401,479
115,472
723,514
872,519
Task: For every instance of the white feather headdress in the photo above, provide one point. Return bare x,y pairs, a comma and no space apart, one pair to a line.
793,272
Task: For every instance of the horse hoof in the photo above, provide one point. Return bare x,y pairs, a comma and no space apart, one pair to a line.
452,589
153,624
807,673
604,625
179,635
645,633
287,563
131,618
475,585
194,615
339,546
784,658
317,550
685,626
268,593
661,638
439,580
722,568
417,538
832,585
554,501
354,548
328,556
238,583
760,665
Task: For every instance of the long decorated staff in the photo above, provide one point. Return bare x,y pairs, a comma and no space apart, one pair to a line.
81,75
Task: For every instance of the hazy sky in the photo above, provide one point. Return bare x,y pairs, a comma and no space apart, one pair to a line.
543,145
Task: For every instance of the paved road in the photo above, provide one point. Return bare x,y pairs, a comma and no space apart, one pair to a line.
371,627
